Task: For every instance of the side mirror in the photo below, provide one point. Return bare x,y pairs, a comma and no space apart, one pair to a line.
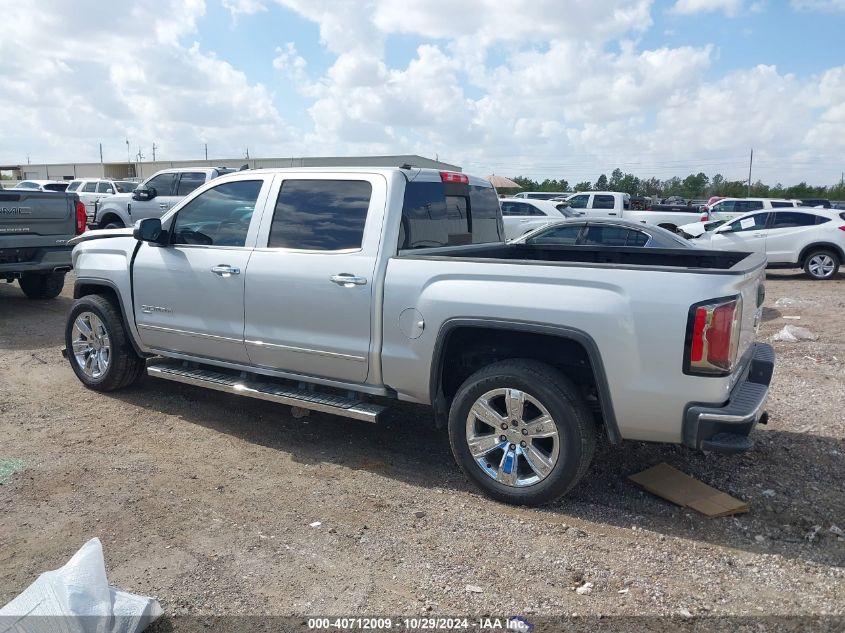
144,193
149,230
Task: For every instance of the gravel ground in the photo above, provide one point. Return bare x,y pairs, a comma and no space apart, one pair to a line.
210,502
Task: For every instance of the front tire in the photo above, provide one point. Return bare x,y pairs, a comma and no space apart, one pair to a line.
99,349
520,431
821,264
42,286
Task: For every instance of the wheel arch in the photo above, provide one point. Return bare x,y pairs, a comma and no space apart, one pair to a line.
820,246
87,286
457,336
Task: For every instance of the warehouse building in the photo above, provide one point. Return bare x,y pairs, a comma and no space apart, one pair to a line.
140,171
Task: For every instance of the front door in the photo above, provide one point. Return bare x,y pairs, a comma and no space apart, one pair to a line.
164,185
311,280
743,234
189,295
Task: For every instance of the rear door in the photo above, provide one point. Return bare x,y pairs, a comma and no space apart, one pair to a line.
788,233
189,295
310,283
521,217
604,205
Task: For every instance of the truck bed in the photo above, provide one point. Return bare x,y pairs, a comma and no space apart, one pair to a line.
733,262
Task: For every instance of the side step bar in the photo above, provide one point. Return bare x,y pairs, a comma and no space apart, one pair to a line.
282,394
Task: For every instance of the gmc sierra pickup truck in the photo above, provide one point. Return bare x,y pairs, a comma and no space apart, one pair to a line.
152,197
337,290
617,205
35,227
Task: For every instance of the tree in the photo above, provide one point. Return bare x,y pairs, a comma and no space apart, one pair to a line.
583,186
651,187
629,184
615,178
601,183
526,183
716,185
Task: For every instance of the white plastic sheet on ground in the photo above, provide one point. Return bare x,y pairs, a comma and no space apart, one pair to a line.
76,598
793,334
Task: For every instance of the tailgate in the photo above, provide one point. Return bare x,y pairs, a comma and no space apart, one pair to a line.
37,213
753,293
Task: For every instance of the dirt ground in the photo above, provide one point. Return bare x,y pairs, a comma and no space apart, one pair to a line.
209,502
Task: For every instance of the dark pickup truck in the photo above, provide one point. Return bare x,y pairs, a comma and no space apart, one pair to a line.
35,227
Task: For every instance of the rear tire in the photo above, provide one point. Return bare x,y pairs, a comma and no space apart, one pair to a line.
547,442
98,347
42,286
115,224
821,264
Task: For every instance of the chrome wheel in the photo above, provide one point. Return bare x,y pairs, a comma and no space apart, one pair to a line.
821,265
91,345
512,437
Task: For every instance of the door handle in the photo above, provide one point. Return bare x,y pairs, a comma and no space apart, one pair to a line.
348,280
611,214
163,205
759,235
224,270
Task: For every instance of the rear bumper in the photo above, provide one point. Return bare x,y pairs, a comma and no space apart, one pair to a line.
725,429
36,260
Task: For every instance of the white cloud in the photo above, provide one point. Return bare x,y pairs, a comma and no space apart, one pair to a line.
687,7
243,7
818,5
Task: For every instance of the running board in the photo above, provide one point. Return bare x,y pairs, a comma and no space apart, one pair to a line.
281,394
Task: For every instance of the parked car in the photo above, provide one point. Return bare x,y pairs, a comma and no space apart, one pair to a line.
729,208
803,237
323,288
42,185
91,190
604,232
542,195
521,215
35,227
154,196
816,202
618,205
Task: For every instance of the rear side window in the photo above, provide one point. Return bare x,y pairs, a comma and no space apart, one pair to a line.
778,204
603,202
562,235
89,187
188,182
105,187
430,218
744,206
614,236
321,215
219,216
790,219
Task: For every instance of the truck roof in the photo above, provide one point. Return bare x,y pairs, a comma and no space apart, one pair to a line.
421,174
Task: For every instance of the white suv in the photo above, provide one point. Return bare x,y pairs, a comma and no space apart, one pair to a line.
803,237
730,208
90,190
521,215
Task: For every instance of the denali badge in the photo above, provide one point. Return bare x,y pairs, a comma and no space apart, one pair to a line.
151,309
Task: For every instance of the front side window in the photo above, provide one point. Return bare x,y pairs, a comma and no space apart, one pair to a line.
781,204
321,215
791,219
603,202
105,187
219,216
163,184
518,208
754,222
74,185
89,187
726,206
578,202
188,182
560,235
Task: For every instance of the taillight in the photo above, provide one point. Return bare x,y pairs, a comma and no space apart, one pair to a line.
704,217
453,176
842,228
81,218
713,337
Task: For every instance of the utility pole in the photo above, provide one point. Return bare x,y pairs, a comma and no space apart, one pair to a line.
140,155
128,155
154,151
27,159
206,151
246,154
101,153
750,162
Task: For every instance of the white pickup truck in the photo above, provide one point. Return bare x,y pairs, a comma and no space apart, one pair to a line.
152,197
617,205
340,290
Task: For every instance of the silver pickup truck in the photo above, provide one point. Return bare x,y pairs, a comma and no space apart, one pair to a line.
338,290
35,228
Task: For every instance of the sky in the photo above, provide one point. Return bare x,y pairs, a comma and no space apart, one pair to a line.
540,88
